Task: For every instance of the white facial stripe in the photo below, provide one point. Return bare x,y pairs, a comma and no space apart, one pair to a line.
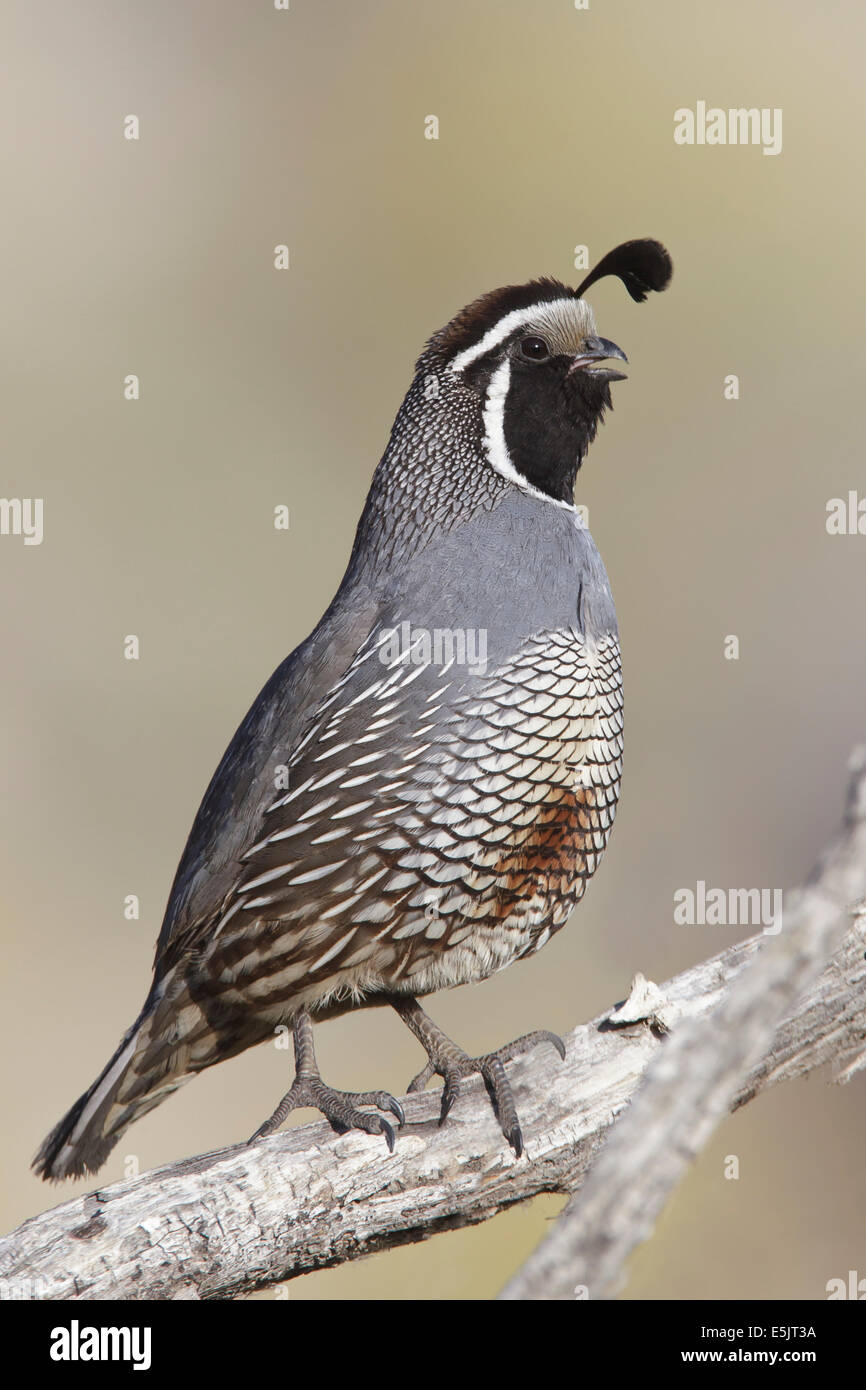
499,332
575,313
494,437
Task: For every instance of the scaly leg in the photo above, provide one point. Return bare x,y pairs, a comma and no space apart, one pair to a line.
339,1107
450,1062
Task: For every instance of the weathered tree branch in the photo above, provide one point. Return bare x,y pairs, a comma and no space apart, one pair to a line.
691,1085
243,1218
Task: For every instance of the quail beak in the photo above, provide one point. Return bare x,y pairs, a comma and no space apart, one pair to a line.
597,350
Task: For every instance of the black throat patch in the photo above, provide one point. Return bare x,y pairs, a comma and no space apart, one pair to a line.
550,419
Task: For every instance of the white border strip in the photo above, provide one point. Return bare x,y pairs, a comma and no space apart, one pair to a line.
501,330
494,439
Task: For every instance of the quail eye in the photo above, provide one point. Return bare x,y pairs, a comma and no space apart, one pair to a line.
535,349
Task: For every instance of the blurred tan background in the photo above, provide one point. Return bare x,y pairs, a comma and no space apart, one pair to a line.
258,388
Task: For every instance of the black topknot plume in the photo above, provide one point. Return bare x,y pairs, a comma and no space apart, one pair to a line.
642,265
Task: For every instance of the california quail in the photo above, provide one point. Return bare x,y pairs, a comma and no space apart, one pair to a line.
452,731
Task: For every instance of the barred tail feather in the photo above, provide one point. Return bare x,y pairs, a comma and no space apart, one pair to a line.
123,1092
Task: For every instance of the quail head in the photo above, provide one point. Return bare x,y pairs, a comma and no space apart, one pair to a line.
451,730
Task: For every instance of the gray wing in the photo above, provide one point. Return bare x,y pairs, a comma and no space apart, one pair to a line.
229,816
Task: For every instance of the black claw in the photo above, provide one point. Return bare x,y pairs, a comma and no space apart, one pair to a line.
515,1139
388,1132
396,1109
448,1099
558,1044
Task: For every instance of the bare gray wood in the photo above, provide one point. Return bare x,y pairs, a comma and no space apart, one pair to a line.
691,1085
